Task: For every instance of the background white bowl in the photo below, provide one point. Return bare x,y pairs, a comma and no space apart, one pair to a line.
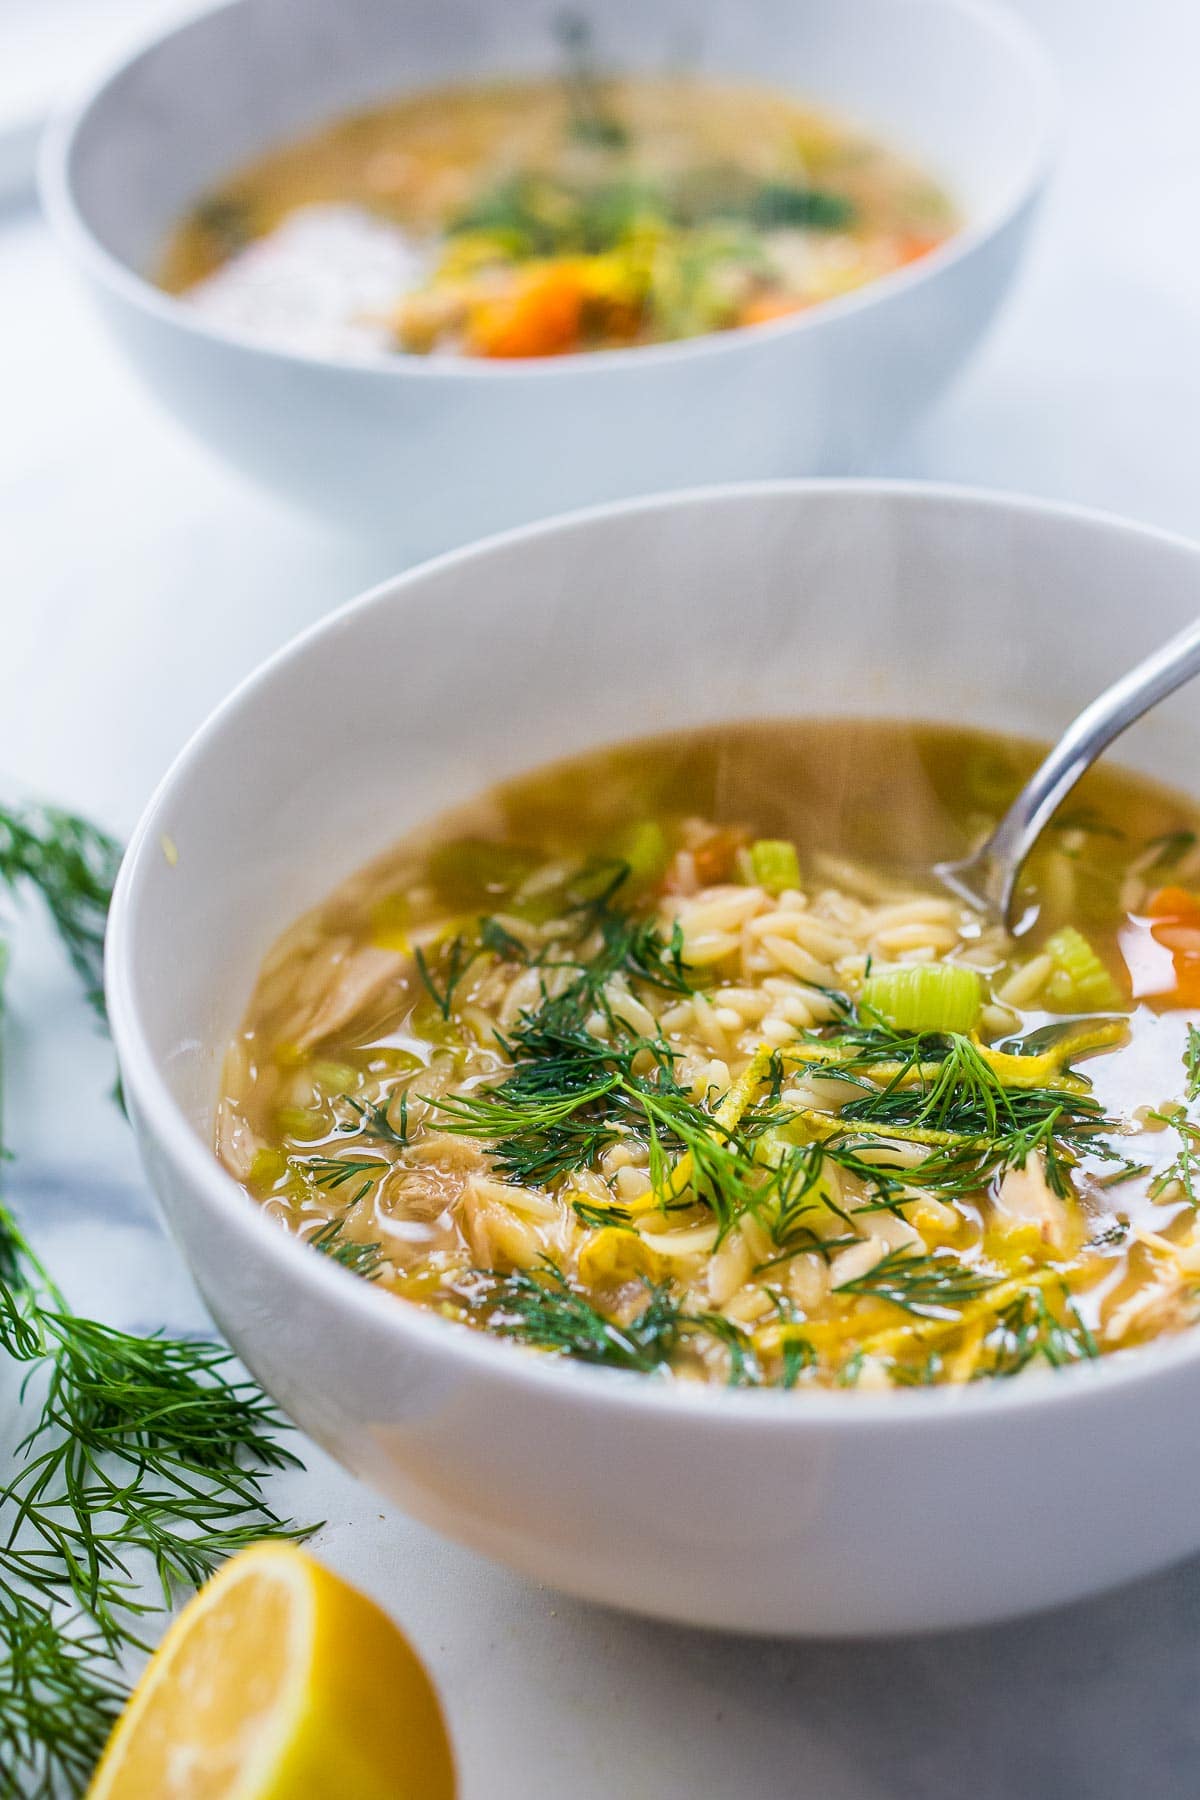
429,454
806,1513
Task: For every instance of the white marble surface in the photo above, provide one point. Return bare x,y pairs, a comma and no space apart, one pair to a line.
138,581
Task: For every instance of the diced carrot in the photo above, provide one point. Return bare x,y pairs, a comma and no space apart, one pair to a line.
1178,937
1187,987
541,316
1176,904
760,309
913,247
714,857
1172,920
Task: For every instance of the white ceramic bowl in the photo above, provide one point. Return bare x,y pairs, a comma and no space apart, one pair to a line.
430,454
806,1513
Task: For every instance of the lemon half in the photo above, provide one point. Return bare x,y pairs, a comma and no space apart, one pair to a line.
278,1681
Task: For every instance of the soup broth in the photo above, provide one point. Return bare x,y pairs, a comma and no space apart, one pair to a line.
529,219
677,1059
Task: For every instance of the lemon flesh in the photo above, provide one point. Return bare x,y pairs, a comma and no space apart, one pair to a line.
278,1681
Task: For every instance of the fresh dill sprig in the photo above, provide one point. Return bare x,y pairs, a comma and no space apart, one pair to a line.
1126,1171
922,1371
334,1172
365,1259
72,864
458,957
1028,1329
796,1193
642,955
501,943
572,1094
1184,1171
1191,1063
590,120
797,1357
139,1448
943,1087
723,1172
546,1312
931,1285
374,1120
534,1137
629,947
596,1216
59,1699
745,1370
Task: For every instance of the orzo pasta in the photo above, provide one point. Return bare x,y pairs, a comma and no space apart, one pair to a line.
677,1059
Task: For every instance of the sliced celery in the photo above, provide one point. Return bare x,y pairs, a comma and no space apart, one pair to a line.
925,997
265,1170
1079,982
644,848
775,864
335,1077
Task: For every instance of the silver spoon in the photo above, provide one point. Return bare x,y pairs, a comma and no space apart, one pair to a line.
987,879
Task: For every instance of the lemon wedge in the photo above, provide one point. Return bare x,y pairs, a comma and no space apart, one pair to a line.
278,1681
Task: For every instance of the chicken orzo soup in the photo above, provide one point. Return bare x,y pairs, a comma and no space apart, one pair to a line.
677,1059
529,219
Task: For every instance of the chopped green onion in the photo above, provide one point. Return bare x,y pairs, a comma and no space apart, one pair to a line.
775,864
925,997
1080,982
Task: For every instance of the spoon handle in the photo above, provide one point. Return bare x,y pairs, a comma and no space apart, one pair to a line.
1164,670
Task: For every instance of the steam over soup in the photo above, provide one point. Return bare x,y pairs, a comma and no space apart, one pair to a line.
677,1059
534,218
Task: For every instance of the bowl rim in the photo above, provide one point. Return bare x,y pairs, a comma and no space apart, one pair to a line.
70,224
466,1350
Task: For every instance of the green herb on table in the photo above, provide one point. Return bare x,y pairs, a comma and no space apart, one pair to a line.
139,1451
72,865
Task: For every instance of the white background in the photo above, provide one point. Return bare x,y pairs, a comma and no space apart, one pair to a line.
138,581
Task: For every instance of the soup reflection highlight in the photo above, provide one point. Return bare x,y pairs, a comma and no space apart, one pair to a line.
676,1059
